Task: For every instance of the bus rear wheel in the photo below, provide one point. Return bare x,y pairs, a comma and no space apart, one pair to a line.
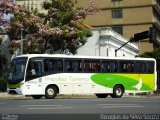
37,96
118,91
101,95
51,92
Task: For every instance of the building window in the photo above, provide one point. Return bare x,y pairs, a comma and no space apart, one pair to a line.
117,13
118,29
116,0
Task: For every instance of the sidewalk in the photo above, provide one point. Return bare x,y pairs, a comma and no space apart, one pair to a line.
5,95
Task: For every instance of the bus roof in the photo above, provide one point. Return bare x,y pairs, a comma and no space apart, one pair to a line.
85,57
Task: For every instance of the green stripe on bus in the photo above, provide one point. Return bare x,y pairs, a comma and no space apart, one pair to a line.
127,80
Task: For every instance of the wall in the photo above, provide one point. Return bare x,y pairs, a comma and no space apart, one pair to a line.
104,42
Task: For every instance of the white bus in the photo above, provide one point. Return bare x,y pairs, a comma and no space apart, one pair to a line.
39,75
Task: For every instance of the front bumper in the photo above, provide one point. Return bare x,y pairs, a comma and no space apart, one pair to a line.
14,91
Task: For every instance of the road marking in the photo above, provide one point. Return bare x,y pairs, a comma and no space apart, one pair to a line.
107,100
45,107
145,101
52,108
42,105
121,106
10,109
114,104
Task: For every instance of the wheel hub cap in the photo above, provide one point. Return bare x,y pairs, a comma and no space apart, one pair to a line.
50,91
118,92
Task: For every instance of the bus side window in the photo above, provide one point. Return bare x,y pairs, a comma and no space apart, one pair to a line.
126,66
77,66
139,67
142,67
68,65
53,66
34,70
46,65
49,66
123,66
59,65
73,66
29,68
38,68
95,66
130,67
87,66
91,66
113,66
150,67
105,66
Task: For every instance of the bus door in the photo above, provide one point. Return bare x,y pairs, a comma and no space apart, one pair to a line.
33,84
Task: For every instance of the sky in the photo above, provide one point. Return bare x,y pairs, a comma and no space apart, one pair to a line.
7,16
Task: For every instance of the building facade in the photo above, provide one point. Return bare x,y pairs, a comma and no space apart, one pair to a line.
32,4
128,17
104,42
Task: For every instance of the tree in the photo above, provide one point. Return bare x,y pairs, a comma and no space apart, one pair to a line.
22,19
1,39
155,54
65,21
60,31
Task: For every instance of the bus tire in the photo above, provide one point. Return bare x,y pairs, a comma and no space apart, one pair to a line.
118,91
51,92
37,96
101,95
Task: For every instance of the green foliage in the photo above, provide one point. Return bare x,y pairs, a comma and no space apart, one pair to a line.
66,22
41,15
61,30
3,73
1,39
155,54
46,5
3,85
3,58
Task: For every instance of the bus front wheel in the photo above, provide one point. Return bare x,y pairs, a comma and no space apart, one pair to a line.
101,95
51,92
118,91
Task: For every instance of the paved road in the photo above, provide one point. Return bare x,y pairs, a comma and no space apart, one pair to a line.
148,105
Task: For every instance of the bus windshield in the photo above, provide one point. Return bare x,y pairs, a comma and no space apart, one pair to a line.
17,70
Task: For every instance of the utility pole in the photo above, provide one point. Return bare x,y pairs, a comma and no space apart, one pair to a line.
52,3
122,46
151,34
21,41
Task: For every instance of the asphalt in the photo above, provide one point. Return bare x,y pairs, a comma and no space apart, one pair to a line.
79,107
148,105
5,95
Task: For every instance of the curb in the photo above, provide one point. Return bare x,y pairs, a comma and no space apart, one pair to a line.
5,95
8,96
